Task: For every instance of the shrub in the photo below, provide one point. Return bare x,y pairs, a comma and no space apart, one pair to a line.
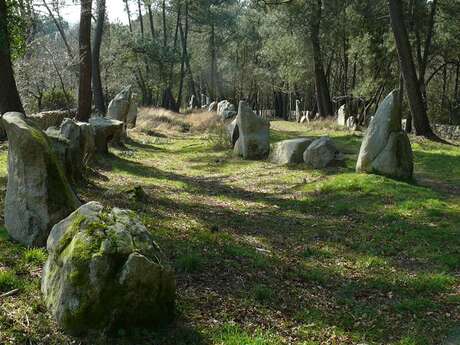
56,99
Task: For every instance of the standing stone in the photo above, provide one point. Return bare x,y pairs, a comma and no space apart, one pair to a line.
191,104
87,142
105,130
226,110
105,272
351,123
342,116
322,153
386,148
232,130
298,113
132,114
290,151
203,100
119,107
212,106
254,134
38,192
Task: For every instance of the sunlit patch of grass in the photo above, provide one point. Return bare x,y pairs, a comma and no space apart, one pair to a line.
231,334
430,283
8,281
35,255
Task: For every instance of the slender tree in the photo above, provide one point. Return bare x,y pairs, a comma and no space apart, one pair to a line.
99,100
9,96
406,61
84,91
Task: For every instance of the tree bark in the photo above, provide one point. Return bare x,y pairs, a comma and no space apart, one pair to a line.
99,100
84,90
414,94
323,98
9,96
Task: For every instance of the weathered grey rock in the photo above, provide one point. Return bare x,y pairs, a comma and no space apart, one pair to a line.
105,271
74,143
192,102
87,142
232,130
226,110
342,116
322,153
385,137
396,159
254,137
38,192
351,123
289,151
212,106
118,110
132,114
119,106
105,129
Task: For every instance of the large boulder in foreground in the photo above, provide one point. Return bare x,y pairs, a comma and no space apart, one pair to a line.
386,148
323,153
254,134
105,272
105,130
226,110
38,193
289,151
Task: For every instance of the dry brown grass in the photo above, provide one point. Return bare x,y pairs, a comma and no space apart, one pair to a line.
329,124
151,120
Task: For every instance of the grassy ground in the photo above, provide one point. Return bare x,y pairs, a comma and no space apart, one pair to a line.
266,254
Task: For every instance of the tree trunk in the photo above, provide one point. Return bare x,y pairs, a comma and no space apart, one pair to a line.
323,98
84,91
99,100
128,12
414,95
9,96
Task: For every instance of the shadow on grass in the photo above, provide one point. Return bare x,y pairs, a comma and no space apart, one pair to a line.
404,237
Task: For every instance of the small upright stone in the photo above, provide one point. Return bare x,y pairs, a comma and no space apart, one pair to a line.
386,147
298,113
212,106
342,116
38,192
105,272
254,134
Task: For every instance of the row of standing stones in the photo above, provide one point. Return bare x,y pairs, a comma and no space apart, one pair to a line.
385,149
104,270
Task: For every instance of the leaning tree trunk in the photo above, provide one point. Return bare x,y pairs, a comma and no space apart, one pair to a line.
84,90
323,97
9,96
99,100
414,94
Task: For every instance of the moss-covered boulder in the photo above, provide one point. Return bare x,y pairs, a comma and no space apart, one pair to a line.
105,272
38,192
